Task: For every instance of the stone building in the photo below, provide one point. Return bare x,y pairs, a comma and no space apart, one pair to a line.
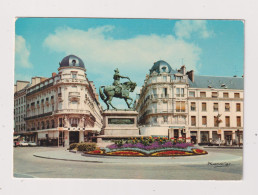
64,108
179,104
20,106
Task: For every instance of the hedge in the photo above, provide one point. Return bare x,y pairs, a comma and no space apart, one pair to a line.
86,147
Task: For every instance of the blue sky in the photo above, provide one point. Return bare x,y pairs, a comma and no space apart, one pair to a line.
210,47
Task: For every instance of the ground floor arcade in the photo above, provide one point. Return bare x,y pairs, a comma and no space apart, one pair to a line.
196,135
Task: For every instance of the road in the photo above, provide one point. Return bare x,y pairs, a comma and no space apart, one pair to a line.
26,165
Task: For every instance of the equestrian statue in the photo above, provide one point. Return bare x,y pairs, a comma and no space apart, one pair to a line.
117,90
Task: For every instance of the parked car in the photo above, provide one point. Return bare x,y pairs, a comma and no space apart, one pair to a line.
216,142
32,144
23,144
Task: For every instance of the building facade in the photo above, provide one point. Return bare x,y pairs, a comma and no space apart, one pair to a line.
201,109
20,106
64,108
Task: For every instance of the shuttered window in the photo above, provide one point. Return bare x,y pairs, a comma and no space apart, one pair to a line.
193,120
238,108
227,119
239,121
225,95
214,94
202,94
215,107
227,107
215,122
204,120
237,95
204,106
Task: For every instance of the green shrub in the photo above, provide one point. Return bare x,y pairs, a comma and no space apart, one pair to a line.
86,147
73,146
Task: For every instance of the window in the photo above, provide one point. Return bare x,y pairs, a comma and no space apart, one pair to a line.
227,119
215,107
165,92
227,107
165,119
165,78
74,75
238,107
202,94
204,120
204,107
180,92
214,94
193,106
238,121
191,94
60,122
180,106
155,119
193,120
225,95
216,124
237,95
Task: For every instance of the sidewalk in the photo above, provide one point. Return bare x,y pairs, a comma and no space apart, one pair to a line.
213,157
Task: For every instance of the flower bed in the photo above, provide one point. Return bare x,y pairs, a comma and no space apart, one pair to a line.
149,147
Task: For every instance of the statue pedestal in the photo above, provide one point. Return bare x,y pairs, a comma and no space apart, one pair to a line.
119,124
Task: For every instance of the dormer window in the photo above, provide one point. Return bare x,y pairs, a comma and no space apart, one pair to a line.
164,69
73,62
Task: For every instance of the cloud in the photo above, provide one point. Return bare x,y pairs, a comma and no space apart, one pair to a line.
187,28
22,53
100,51
22,77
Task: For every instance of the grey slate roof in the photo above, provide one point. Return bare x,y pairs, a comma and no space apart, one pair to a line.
72,60
157,66
217,82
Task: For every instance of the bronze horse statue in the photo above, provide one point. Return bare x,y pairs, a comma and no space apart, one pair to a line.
122,92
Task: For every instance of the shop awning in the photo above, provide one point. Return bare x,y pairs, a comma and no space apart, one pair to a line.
16,137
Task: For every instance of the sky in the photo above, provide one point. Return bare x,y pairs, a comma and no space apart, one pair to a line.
209,47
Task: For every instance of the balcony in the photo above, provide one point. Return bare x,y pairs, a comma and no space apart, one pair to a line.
38,116
64,111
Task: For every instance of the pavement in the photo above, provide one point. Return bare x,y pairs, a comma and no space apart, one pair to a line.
56,162
212,156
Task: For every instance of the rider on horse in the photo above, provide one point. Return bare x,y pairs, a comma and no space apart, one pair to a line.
116,82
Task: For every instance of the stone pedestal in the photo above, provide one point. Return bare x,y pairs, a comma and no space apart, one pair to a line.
119,124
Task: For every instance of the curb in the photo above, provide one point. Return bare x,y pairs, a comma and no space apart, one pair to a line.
64,159
223,147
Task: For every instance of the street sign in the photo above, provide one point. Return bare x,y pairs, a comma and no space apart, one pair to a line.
219,131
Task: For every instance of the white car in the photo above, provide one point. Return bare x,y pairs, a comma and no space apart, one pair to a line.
32,144
23,144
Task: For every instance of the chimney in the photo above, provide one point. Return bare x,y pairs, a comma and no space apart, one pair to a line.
183,69
53,74
190,75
